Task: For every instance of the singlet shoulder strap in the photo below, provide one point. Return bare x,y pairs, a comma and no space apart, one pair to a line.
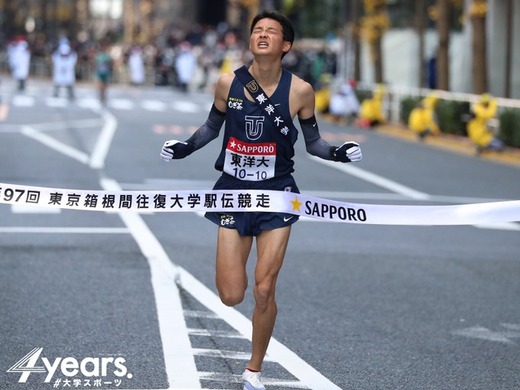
282,123
248,81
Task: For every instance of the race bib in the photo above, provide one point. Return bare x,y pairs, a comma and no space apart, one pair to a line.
252,162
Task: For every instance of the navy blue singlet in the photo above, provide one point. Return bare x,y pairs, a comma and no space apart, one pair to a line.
252,148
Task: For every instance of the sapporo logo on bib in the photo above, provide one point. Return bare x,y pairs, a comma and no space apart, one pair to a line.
253,162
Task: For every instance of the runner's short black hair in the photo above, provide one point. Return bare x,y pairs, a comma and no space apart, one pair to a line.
287,27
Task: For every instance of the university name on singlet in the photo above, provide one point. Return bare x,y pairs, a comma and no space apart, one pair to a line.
248,161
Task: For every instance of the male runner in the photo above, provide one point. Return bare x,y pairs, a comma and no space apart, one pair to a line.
248,124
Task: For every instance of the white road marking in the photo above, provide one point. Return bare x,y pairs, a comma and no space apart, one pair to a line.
186,107
307,375
153,105
220,353
511,326
397,197
89,103
480,332
178,355
199,314
215,333
63,230
72,124
57,102
121,104
97,159
55,144
218,377
23,101
374,179
408,192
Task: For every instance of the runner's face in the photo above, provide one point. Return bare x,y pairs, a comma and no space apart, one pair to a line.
267,38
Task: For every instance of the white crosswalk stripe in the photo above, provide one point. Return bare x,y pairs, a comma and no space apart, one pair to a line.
23,101
154,105
117,104
185,107
89,103
121,104
56,102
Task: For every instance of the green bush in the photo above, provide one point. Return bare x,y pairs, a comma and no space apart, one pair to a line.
450,116
510,127
362,94
407,104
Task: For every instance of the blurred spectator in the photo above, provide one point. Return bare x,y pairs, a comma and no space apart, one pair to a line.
432,72
104,67
136,66
20,61
11,48
234,53
322,94
479,126
422,118
165,73
344,103
185,64
64,68
207,56
318,67
371,112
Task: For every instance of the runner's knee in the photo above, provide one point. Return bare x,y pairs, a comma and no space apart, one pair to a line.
264,294
231,297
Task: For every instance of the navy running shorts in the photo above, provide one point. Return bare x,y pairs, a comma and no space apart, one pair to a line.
253,223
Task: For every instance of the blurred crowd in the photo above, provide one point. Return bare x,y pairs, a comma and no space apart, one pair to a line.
194,61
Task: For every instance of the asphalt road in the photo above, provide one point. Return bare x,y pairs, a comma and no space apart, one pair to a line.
108,300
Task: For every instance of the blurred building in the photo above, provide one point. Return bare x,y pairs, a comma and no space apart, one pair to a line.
502,28
401,45
157,21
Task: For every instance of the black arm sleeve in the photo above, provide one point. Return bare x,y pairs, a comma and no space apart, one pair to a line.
314,144
209,130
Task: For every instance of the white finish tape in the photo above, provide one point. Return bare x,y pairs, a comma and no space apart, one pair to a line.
263,201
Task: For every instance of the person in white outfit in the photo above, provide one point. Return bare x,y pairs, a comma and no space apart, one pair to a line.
136,66
64,61
344,104
20,63
185,64
11,48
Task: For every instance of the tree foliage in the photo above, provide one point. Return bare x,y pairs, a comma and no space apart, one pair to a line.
373,25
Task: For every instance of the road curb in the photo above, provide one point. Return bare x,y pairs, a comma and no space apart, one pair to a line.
453,143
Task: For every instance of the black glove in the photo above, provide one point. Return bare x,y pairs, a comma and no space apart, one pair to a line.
175,150
348,152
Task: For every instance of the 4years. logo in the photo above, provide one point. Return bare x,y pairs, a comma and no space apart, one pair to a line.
97,368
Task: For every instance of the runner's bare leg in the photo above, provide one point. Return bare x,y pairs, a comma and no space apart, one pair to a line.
231,276
271,248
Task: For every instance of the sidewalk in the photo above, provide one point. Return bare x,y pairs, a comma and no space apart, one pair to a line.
456,144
